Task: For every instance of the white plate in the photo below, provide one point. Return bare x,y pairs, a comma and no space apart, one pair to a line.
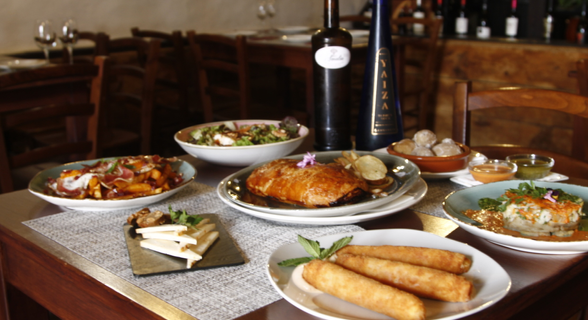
297,38
18,64
405,175
293,29
410,198
491,282
359,33
461,200
37,187
468,180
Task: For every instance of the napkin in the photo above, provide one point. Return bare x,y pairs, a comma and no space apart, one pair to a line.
468,180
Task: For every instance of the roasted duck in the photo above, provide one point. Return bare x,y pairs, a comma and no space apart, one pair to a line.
315,186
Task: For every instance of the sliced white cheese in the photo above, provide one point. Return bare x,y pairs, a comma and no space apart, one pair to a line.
202,223
197,233
169,248
205,242
163,227
170,235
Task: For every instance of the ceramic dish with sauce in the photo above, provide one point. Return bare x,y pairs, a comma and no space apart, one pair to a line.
436,164
492,170
531,166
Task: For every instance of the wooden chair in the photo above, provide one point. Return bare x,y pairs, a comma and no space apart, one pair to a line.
128,125
466,101
581,124
219,56
71,92
179,81
423,56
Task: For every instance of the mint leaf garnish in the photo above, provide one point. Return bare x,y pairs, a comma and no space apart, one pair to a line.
313,248
183,218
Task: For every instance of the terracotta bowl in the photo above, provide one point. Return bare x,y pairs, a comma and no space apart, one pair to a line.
437,164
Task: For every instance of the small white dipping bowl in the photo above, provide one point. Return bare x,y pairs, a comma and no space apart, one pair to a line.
241,156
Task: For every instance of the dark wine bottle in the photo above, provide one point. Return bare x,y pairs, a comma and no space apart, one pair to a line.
331,47
548,21
582,28
512,21
379,120
461,21
419,13
483,30
439,14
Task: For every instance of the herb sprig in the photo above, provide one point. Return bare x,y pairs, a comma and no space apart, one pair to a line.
313,248
183,218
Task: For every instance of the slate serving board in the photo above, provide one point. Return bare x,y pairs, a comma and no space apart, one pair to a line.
222,253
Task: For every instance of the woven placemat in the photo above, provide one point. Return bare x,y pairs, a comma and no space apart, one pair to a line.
432,202
222,293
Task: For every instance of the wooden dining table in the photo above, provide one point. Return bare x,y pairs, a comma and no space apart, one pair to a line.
39,274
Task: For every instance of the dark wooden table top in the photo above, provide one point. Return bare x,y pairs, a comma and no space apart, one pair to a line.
543,286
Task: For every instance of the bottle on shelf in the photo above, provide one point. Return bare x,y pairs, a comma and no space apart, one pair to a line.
419,13
512,21
439,14
582,28
461,21
379,120
408,13
331,48
483,30
548,20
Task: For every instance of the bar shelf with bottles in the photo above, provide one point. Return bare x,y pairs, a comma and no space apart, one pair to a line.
552,22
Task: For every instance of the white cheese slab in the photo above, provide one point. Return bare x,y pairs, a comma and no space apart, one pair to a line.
161,228
170,235
170,248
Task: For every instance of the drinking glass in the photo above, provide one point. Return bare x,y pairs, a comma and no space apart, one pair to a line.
261,14
69,36
44,36
270,9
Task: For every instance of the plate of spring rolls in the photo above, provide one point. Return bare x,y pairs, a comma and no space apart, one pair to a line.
390,274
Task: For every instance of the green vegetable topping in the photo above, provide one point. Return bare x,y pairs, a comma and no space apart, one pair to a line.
183,218
313,248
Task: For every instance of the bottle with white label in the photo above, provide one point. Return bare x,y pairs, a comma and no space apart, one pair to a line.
461,21
512,21
548,21
419,13
379,121
331,47
483,30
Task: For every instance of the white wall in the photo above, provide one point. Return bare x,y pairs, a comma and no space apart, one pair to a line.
117,17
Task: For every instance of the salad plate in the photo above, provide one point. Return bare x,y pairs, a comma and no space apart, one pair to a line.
239,156
38,186
491,282
404,172
459,201
410,198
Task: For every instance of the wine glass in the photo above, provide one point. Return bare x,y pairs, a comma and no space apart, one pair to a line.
270,8
261,13
69,36
44,36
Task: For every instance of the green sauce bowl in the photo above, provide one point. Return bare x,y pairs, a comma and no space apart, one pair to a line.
531,166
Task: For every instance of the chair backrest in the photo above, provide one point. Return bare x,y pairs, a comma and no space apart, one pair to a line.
214,53
465,101
426,63
131,90
71,92
177,61
581,124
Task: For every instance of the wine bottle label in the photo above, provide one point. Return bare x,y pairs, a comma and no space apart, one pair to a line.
547,27
512,24
333,57
419,28
383,115
483,32
461,25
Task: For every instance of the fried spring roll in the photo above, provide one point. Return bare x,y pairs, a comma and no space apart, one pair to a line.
421,281
368,293
427,257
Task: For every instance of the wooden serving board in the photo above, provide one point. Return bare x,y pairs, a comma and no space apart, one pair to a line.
222,253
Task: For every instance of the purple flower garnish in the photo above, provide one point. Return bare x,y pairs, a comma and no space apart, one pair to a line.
309,159
548,196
